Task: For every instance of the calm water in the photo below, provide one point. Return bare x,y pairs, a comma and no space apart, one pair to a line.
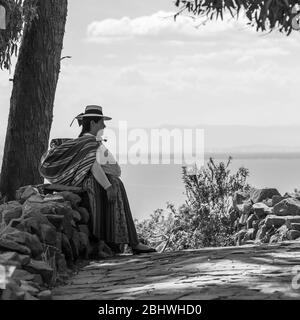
151,186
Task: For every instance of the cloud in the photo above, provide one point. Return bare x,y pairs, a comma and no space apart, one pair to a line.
160,25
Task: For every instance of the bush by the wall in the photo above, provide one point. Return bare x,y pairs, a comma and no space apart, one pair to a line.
208,216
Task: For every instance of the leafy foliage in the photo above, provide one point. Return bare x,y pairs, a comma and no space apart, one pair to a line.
208,216
19,14
266,15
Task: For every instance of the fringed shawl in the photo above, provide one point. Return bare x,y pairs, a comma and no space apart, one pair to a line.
70,162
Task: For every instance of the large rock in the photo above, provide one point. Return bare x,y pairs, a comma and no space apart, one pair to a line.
37,211
10,210
14,258
12,292
9,259
37,198
33,242
10,214
258,195
61,263
76,216
38,208
292,219
85,216
48,234
30,225
293,234
24,259
287,207
26,239
295,226
9,245
9,205
27,286
42,268
54,198
67,221
72,197
272,220
261,210
45,295
83,244
26,192
21,274
85,229
56,220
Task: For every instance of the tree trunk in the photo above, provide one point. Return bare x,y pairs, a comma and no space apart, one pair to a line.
31,104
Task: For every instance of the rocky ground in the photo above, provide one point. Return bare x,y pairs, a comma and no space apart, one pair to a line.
246,272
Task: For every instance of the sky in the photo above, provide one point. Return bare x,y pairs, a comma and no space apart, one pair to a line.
132,58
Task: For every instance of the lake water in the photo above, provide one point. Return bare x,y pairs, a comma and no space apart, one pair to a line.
151,186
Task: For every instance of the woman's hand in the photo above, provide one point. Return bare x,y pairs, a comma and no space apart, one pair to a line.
111,194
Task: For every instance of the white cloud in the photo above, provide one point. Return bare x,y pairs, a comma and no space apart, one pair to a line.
160,25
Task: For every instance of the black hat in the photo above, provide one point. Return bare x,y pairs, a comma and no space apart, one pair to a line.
91,111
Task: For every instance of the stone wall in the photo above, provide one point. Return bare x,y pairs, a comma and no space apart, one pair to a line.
267,217
42,233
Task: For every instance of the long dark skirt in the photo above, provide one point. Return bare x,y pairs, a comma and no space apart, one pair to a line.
112,221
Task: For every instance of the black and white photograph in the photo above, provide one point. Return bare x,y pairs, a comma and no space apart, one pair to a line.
150,152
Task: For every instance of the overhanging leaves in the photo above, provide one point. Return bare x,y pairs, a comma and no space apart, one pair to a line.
18,13
265,15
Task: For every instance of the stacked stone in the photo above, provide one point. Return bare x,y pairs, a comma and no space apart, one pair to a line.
42,233
264,216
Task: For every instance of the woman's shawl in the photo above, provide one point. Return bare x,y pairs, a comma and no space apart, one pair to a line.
69,162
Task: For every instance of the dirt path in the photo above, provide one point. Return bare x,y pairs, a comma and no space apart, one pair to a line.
247,272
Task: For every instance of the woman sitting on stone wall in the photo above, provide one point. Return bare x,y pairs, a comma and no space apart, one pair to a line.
74,163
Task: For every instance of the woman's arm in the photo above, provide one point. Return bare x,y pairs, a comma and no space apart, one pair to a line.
100,175
107,161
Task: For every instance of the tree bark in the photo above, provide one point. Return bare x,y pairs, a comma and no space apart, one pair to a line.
31,104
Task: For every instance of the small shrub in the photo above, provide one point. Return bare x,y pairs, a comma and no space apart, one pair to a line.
206,219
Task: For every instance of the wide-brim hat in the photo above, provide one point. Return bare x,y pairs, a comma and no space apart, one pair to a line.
91,111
